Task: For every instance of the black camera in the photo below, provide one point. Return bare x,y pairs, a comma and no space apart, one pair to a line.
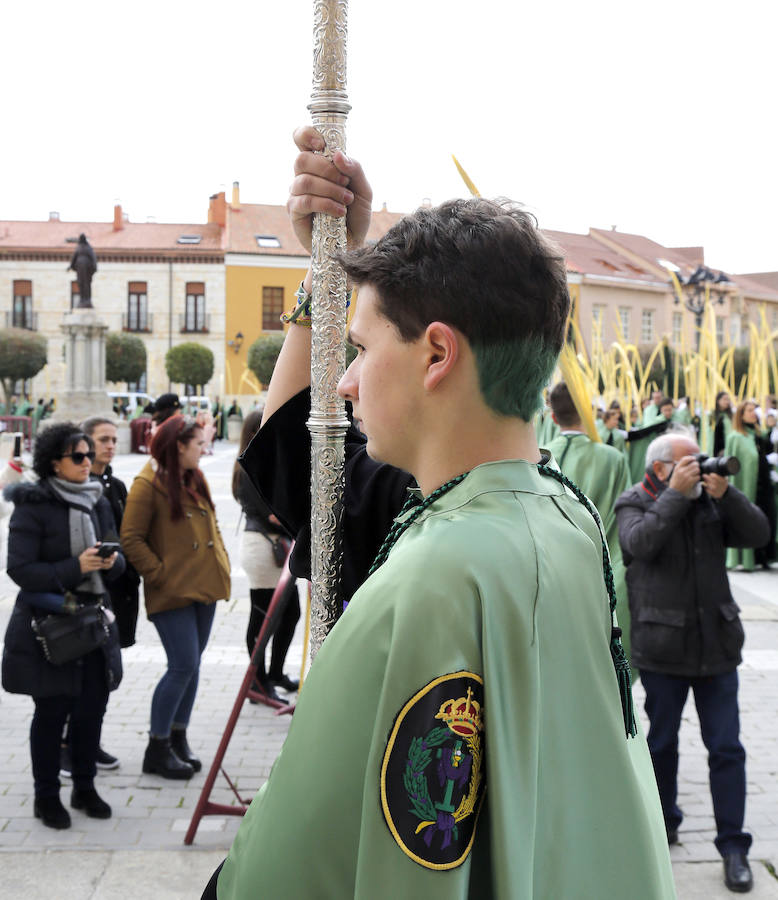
718,465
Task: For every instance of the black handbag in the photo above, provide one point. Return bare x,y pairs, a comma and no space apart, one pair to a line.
280,547
67,636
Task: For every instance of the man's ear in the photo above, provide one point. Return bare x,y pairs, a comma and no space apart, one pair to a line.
554,418
441,344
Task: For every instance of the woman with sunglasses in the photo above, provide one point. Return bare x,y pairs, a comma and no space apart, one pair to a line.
170,535
53,549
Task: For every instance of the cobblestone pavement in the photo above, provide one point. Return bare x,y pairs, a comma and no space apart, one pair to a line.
142,844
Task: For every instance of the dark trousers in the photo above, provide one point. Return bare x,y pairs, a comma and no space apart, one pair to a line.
715,697
86,713
184,634
282,631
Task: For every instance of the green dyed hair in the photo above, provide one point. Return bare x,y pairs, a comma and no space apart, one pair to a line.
487,270
504,366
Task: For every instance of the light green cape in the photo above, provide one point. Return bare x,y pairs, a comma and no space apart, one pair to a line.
619,441
603,475
500,577
744,448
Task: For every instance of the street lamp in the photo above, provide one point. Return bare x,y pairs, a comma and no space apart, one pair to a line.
237,342
697,293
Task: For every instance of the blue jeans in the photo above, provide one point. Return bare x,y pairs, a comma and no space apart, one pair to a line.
715,697
184,634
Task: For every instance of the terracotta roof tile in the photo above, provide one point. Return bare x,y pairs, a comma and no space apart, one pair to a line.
652,252
132,236
252,219
587,256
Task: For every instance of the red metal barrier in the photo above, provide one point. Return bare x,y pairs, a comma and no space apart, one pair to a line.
205,807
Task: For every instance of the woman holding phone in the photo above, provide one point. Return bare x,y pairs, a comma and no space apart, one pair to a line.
170,536
54,549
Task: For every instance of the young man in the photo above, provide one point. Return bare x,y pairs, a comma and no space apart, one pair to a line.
472,656
124,591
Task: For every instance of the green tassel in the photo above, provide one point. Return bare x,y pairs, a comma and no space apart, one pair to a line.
619,657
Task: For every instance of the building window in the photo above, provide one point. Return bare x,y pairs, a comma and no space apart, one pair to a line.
677,327
734,331
272,307
647,326
22,305
598,320
75,294
721,324
267,240
625,314
774,326
194,317
137,307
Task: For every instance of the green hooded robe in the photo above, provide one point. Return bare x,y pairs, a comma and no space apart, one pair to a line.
460,733
743,447
603,475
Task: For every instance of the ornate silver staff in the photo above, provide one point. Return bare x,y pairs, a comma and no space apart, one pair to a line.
328,423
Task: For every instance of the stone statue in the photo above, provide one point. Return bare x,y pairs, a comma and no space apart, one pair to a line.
84,264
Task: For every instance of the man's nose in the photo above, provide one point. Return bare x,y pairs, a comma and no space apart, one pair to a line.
347,386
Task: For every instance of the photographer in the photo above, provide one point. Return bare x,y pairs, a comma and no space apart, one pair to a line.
673,529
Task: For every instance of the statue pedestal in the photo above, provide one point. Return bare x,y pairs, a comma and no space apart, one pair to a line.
84,394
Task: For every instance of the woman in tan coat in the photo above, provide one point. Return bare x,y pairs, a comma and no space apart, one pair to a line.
170,535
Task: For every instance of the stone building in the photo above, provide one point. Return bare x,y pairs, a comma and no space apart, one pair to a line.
226,282
163,282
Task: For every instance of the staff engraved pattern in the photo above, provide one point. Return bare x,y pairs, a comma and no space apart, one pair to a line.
328,423
330,28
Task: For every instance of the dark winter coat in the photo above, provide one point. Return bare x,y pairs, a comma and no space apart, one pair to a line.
684,619
124,589
39,561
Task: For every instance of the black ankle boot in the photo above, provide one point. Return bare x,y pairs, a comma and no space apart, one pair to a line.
161,759
182,749
51,811
91,802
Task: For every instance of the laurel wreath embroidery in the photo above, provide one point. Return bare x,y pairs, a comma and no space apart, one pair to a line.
415,780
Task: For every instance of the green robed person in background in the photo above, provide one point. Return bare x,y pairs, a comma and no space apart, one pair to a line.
483,749
603,475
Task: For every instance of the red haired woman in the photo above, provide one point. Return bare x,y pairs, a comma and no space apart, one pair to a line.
169,532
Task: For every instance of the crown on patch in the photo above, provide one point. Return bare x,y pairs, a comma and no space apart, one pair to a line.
463,716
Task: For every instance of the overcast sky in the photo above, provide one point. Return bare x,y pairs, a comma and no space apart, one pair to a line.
657,117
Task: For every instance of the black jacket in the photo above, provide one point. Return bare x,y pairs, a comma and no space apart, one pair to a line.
124,589
38,536
278,464
684,620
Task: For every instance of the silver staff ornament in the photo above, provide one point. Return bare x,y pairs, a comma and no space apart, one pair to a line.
328,422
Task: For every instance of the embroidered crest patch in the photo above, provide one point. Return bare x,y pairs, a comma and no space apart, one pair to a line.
432,775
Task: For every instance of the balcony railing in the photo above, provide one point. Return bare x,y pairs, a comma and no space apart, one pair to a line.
201,327
139,324
28,321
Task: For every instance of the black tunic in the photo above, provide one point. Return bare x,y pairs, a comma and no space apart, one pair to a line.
278,462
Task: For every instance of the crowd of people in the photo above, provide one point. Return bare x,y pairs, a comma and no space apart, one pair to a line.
80,543
471,654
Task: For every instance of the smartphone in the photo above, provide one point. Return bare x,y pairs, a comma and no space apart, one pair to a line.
17,446
107,548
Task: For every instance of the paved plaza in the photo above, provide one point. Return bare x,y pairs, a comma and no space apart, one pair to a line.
139,852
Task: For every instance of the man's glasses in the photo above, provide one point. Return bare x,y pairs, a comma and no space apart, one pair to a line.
78,458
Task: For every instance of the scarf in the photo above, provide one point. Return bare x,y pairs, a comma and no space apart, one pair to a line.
81,498
652,485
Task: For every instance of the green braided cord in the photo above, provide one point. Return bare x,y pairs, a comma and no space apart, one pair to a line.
399,528
619,657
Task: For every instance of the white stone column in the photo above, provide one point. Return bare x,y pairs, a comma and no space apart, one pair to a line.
85,393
